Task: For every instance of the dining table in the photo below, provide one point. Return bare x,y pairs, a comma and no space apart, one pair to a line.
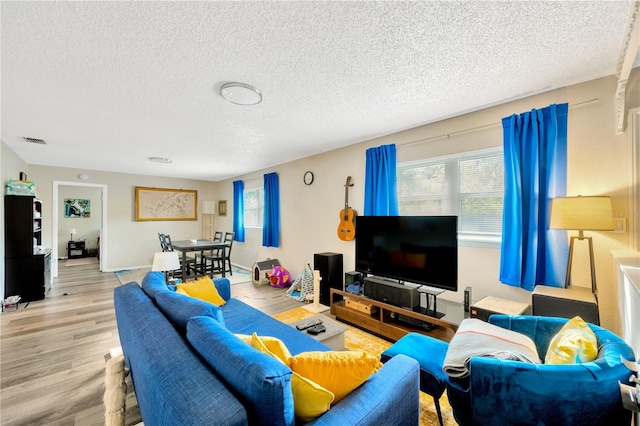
186,246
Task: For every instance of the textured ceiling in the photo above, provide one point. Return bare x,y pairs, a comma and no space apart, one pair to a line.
109,84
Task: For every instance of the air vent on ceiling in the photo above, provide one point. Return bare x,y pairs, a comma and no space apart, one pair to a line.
34,140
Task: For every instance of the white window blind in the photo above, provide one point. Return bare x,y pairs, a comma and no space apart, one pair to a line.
468,185
253,207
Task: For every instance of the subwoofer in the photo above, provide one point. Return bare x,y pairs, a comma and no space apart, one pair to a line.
330,267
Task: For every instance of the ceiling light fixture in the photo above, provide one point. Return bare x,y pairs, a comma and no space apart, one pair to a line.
240,93
160,160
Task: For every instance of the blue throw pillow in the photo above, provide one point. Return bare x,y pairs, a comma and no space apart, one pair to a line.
180,309
263,381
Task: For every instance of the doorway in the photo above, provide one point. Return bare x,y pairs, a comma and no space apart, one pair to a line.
56,218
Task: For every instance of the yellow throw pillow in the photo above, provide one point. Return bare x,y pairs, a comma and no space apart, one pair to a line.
181,291
310,400
202,289
272,346
573,344
338,371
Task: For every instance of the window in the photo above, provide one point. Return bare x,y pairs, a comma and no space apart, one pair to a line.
253,207
469,185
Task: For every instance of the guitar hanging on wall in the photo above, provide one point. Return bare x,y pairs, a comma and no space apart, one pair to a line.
347,229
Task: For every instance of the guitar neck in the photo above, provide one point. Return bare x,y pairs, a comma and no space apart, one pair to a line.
346,202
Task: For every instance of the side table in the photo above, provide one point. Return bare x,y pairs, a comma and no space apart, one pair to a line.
484,308
76,249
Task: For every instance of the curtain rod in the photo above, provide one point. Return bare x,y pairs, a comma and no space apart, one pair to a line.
486,126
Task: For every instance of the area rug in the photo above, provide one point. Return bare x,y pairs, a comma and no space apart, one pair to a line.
356,339
82,261
128,275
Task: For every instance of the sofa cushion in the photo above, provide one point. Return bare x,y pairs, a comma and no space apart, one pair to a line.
180,308
262,382
575,343
241,318
310,400
202,289
154,283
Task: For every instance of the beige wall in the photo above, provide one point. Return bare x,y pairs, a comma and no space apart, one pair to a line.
128,243
598,165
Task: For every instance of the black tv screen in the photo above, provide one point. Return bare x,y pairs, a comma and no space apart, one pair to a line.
414,249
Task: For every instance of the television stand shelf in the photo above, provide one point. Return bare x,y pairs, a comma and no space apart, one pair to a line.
393,322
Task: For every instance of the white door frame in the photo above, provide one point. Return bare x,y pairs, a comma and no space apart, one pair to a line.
103,222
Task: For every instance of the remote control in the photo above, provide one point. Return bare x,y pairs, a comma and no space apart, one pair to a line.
307,324
316,329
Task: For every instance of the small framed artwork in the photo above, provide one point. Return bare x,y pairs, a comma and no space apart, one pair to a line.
77,207
222,207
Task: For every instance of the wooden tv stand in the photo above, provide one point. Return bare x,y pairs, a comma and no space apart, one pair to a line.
383,323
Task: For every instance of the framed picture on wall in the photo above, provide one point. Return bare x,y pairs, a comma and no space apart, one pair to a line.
77,207
222,207
166,204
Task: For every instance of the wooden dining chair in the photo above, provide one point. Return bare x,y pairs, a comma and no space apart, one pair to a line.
213,263
190,263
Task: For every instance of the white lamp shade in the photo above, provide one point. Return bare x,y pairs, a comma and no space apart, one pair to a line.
582,213
208,207
166,261
73,231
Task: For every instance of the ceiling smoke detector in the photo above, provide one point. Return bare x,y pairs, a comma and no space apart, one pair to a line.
240,93
34,140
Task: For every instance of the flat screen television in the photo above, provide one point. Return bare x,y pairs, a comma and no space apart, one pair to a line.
414,249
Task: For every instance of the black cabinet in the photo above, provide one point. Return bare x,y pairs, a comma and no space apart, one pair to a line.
76,249
27,266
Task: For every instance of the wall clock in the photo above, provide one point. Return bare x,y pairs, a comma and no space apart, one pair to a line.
308,178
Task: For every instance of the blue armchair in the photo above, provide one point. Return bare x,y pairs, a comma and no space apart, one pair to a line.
499,392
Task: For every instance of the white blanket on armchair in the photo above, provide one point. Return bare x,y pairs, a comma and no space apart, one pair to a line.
478,338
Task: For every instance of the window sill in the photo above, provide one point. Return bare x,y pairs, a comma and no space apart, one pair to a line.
479,241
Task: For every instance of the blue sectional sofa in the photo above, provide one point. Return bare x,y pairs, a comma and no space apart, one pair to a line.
188,367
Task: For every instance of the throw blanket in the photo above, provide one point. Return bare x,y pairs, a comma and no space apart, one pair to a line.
478,338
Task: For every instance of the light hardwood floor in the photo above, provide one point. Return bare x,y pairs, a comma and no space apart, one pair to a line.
52,352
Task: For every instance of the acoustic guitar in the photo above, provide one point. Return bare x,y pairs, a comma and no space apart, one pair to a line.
347,229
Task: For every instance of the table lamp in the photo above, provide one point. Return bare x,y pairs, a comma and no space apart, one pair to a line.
73,232
590,213
165,261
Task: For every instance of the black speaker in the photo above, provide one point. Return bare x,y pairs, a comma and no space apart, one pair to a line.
467,299
392,293
331,272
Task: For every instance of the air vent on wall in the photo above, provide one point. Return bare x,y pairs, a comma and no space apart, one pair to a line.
34,140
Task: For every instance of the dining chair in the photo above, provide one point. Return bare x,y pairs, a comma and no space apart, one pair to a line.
202,259
190,263
163,245
214,262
